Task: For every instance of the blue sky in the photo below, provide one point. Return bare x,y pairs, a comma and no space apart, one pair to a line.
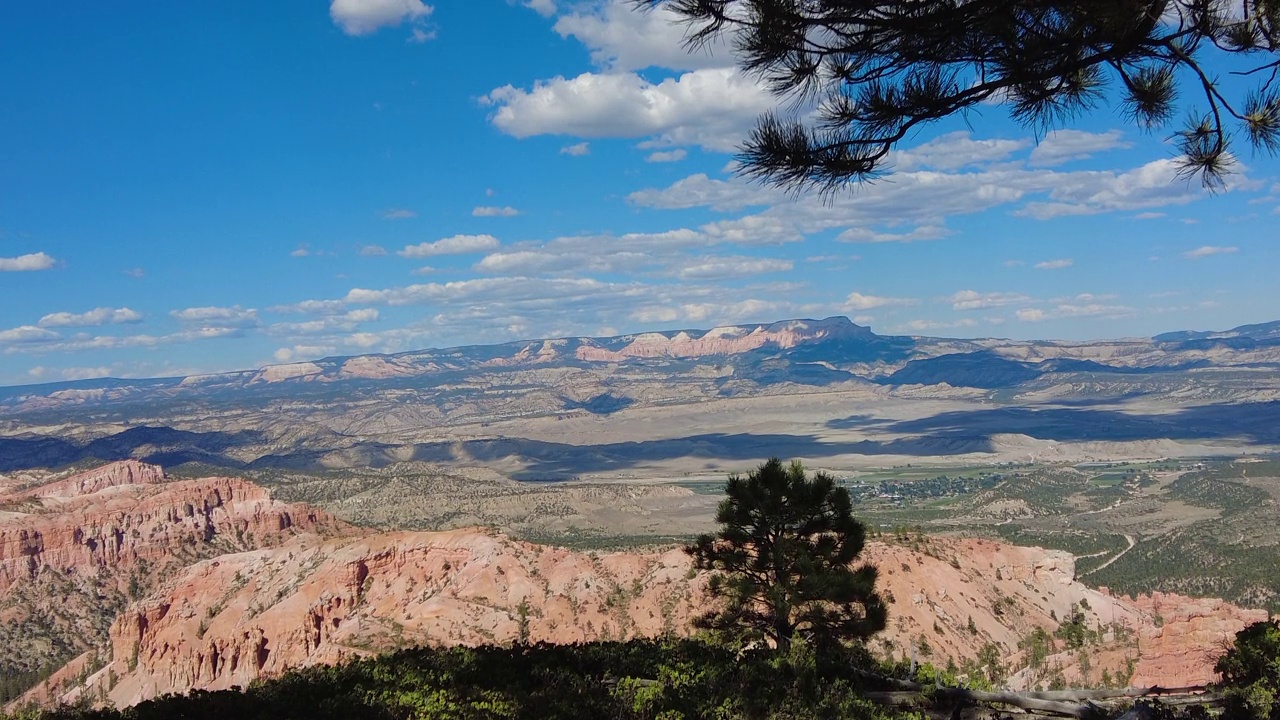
196,187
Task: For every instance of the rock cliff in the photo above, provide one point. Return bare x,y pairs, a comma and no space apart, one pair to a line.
724,340
75,550
150,585
1186,637
233,619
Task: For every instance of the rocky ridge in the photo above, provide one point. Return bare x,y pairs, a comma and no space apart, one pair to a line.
236,618
75,550
499,406
228,585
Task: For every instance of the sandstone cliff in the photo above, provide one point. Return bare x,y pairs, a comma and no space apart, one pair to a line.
724,340
228,585
230,620
239,617
75,550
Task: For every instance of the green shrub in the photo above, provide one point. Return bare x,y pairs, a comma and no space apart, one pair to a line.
1250,673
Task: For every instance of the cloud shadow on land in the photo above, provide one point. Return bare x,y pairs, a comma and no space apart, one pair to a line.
163,446
1258,423
951,433
550,461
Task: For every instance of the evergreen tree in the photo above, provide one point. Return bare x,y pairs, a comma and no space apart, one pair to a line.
880,69
1250,672
783,560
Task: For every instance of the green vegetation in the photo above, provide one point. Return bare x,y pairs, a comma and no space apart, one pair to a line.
782,560
1232,556
1207,527
640,680
1250,672
652,679
925,488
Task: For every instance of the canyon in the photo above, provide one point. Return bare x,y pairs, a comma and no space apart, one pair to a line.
252,587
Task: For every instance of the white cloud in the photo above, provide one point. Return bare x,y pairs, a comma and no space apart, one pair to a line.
363,17
84,373
1054,264
699,190
731,267
1093,310
373,250
362,315
1154,184
218,317
713,108
916,234
329,324
481,289
1207,250
490,307
665,253
916,205
456,245
1074,310
751,309
621,37
398,214
926,325
136,273
954,151
313,307
913,206
974,300
545,8
27,263
666,156
26,334
301,251
32,339
858,301
97,316
576,150
1060,146
533,262
490,211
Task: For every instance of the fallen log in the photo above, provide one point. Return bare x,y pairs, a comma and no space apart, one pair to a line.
962,697
1077,703
1083,694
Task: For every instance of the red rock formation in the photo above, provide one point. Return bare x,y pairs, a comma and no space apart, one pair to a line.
74,550
231,620
240,617
114,516
126,472
722,341
1185,637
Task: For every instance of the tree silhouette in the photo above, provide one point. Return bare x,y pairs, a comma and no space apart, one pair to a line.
783,559
879,69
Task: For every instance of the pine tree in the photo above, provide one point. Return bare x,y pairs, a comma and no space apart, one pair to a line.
877,70
783,560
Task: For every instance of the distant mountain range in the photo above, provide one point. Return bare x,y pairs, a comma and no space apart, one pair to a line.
832,342
369,408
